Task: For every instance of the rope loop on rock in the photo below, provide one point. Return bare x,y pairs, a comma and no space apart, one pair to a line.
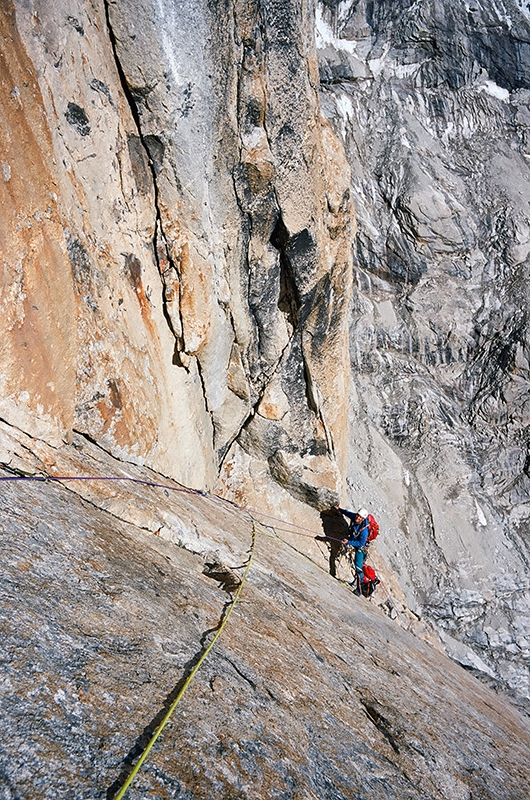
192,674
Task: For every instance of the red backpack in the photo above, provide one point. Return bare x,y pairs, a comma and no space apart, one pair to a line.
369,580
369,573
373,529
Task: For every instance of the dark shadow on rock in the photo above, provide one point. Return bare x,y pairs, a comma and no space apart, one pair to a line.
335,530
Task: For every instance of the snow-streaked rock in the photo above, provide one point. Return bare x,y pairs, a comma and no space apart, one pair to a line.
431,100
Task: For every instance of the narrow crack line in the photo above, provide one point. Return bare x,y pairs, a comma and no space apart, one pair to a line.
71,488
382,724
145,737
25,433
99,446
86,436
240,673
159,238
203,384
246,421
227,447
357,642
253,411
155,475
49,479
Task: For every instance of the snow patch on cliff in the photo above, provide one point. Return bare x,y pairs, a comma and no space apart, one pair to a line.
326,38
490,87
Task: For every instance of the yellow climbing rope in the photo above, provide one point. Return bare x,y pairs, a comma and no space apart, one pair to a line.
190,677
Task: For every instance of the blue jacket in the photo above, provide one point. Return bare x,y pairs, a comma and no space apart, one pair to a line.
358,533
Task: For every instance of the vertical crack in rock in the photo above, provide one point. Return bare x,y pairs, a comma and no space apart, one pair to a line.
153,149
203,384
256,403
226,449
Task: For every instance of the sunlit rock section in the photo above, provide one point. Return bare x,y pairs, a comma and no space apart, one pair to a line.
254,229
432,103
37,342
87,344
178,239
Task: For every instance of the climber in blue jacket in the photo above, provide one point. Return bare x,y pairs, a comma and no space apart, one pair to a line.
357,538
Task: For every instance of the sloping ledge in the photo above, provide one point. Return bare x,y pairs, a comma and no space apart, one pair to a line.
310,692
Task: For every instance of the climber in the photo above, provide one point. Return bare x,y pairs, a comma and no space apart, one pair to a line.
357,538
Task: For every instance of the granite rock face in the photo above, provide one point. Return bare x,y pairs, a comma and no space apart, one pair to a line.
432,102
178,228
178,199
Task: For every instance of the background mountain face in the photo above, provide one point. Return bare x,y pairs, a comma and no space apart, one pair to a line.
432,103
181,186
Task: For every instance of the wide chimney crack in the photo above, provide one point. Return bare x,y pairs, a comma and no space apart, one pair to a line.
289,296
290,303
